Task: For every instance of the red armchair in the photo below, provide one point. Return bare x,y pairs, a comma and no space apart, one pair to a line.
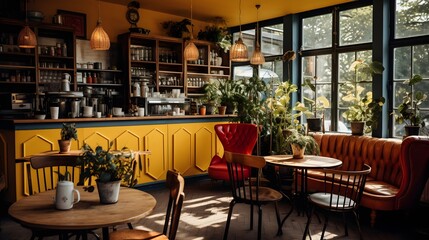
235,137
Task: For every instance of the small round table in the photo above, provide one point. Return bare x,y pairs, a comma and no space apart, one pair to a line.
38,211
302,165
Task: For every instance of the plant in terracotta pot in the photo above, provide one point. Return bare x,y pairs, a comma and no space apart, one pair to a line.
363,110
301,144
408,110
68,132
229,90
316,105
211,97
110,168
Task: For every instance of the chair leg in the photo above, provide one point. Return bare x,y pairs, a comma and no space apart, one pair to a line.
259,222
357,223
228,221
346,230
279,223
307,226
130,226
251,216
325,225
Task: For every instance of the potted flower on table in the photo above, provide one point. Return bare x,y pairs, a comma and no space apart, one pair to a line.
110,168
68,132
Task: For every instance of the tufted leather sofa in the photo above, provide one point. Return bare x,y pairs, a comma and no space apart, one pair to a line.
235,137
399,172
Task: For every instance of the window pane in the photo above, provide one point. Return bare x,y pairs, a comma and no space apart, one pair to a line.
248,39
411,18
399,94
421,60
272,40
317,32
402,63
356,26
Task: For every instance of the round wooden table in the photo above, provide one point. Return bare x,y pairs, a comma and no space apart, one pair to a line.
38,211
301,166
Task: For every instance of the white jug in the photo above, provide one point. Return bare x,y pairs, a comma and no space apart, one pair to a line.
65,83
64,198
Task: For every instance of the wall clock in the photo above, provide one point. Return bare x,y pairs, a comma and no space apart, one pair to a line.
133,16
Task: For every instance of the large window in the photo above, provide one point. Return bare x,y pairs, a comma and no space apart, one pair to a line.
320,50
272,40
410,55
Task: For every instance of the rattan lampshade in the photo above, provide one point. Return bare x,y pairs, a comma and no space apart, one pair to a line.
239,52
27,38
191,51
99,38
257,57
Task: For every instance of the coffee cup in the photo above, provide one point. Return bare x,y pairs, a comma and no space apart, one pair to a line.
64,197
98,114
117,111
87,111
141,112
54,112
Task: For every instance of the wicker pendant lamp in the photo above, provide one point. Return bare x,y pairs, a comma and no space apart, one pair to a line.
191,51
257,57
27,38
99,38
238,51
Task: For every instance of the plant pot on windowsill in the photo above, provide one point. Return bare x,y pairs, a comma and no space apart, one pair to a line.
412,130
357,127
314,124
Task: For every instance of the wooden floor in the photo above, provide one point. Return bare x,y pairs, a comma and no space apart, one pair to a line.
205,212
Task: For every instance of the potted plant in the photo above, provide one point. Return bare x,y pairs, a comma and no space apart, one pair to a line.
211,97
110,168
317,105
68,132
229,90
177,29
217,33
301,144
408,110
363,111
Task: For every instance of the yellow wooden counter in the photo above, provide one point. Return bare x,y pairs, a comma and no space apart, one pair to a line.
182,143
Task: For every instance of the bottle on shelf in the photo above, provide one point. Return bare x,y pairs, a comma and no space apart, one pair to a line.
89,78
94,78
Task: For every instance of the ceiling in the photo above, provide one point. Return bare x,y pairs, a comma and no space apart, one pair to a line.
206,10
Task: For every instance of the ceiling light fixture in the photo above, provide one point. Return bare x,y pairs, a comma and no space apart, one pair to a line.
257,57
26,37
99,38
238,51
191,51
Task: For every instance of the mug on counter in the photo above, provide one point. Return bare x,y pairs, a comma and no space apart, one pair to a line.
64,197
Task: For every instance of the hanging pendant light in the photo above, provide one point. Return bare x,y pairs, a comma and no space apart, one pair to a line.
99,38
257,57
26,37
238,51
191,51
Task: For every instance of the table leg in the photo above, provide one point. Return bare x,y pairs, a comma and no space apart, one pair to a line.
105,231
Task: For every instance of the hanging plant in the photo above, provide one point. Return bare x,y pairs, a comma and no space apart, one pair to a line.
177,29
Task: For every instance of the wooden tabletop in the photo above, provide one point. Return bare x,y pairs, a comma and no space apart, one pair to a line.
70,154
38,211
308,162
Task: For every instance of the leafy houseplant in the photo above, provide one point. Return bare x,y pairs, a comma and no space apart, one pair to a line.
300,144
68,132
317,106
177,29
218,35
211,95
409,111
363,108
111,168
229,90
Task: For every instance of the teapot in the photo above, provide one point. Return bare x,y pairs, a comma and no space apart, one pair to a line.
65,83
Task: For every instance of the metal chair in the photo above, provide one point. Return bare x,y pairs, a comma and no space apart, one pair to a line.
247,190
176,184
342,194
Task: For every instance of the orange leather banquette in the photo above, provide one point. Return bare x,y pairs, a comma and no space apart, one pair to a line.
399,172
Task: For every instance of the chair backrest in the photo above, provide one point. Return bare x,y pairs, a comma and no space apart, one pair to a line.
176,184
45,170
237,137
345,188
244,188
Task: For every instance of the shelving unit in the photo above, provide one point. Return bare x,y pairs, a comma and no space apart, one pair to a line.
158,61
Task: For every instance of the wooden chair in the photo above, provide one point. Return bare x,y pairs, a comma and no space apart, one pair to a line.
176,184
247,190
46,170
342,194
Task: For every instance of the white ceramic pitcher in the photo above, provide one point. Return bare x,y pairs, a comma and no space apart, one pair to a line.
64,198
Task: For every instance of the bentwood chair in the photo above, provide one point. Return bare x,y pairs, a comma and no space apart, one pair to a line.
43,174
342,194
235,137
247,189
176,184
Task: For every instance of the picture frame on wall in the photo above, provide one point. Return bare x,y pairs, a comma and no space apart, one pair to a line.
76,20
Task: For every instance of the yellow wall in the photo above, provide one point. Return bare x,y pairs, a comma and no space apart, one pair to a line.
112,16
